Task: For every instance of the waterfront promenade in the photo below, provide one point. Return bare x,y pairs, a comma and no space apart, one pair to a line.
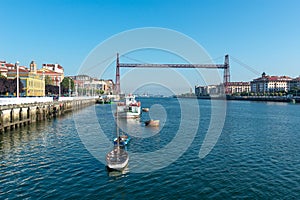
295,99
287,99
15,112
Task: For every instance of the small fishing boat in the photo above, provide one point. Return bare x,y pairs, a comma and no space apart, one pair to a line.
103,100
145,109
151,122
129,109
123,140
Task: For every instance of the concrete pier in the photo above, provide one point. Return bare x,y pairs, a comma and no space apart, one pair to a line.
16,115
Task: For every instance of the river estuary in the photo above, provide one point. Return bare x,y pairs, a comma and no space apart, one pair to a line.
256,156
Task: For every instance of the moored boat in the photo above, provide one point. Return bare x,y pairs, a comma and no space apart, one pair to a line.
123,140
145,109
152,123
130,108
103,100
117,159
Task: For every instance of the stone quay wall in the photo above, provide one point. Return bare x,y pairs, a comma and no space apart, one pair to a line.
14,115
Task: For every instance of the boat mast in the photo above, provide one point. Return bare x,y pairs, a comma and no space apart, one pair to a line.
117,93
118,141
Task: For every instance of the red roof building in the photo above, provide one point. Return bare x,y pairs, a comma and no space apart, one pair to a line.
267,83
53,71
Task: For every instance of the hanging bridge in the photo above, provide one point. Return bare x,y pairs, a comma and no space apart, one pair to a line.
225,66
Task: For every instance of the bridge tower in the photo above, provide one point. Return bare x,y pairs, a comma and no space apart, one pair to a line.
117,87
226,78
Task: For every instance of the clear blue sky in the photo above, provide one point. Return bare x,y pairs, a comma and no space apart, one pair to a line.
264,34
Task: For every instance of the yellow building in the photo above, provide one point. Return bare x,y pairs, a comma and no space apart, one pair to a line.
34,84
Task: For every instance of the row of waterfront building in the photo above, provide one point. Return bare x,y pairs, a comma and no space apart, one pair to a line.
33,79
263,84
91,85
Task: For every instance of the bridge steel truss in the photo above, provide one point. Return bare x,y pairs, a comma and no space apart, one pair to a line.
225,66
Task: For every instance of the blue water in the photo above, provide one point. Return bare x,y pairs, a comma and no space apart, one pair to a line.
257,156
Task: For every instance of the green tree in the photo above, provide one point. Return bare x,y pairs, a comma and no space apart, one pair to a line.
11,85
294,91
48,80
3,85
65,85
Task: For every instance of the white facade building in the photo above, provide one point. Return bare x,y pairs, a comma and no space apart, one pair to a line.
54,67
85,82
209,90
238,87
270,84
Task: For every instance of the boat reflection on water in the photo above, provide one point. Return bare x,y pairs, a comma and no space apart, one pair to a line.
117,173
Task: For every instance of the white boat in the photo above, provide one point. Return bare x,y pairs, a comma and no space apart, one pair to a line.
118,158
130,108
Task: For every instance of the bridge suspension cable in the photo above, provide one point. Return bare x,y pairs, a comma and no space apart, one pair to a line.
254,71
133,59
99,63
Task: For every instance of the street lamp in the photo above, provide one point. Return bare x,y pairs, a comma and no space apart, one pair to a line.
58,87
44,83
17,66
92,90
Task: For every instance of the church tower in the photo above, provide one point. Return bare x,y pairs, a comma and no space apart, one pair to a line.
33,67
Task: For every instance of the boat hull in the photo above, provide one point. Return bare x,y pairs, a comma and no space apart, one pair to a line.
145,109
128,115
117,159
153,123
